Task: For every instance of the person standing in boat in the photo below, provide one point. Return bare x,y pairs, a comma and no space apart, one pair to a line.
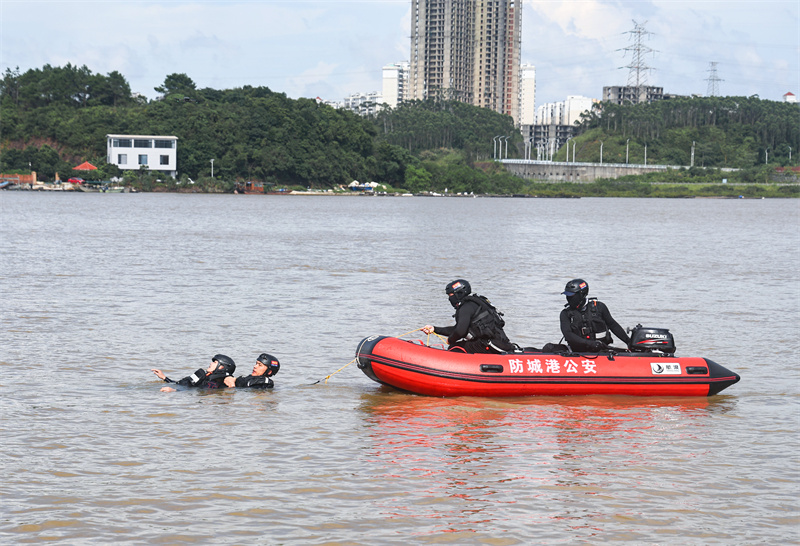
212,377
266,366
585,322
478,327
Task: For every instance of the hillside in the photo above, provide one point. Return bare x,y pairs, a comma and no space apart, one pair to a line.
736,132
55,118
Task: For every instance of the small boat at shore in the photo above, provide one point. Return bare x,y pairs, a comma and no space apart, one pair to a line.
103,189
414,367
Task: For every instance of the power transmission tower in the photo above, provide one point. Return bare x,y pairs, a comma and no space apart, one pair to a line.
713,80
637,70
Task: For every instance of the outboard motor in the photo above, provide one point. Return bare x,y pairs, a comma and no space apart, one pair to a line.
648,340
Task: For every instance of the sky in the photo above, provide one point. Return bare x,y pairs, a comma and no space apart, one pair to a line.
331,49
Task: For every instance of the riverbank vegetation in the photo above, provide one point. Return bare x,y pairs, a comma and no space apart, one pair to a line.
54,118
734,132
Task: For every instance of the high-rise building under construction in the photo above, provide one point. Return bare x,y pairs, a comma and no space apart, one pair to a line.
467,50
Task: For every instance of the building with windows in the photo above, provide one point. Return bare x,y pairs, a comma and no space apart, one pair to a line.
555,124
395,83
527,95
363,104
625,94
565,112
467,50
132,152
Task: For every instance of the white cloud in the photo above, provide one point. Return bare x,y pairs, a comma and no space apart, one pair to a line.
310,81
585,19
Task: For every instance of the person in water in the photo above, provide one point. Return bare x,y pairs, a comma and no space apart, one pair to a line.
212,377
478,327
585,322
266,366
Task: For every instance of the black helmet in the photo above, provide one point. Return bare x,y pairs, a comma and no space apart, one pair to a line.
225,365
458,290
576,292
272,364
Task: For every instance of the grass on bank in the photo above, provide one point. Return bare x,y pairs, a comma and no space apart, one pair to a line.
691,182
628,188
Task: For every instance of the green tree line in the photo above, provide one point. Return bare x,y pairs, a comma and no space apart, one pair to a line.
433,124
737,132
56,117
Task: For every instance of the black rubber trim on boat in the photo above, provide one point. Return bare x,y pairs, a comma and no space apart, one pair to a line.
364,356
721,377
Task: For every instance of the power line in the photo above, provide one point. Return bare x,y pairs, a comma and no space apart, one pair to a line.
637,70
713,80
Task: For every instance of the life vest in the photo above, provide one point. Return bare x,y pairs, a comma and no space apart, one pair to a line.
215,380
587,322
199,379
487,322
255,382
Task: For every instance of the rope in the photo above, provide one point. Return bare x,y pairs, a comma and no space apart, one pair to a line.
411,332
427,342
339,370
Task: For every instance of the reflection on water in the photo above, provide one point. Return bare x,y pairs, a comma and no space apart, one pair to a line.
485,462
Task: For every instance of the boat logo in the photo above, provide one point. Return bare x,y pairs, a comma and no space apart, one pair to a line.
664,368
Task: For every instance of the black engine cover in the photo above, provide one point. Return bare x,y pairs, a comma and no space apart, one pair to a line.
646,339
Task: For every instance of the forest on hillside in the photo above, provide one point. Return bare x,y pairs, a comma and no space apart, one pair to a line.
57,117
54,118
738,132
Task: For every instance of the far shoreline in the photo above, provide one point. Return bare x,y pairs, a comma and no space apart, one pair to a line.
60,189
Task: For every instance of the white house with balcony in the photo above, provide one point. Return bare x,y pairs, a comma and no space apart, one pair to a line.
131,152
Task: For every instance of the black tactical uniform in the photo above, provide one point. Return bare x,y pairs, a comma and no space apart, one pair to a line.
478,327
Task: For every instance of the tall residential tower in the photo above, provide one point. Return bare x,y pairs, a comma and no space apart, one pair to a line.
467,50
527,95
395,83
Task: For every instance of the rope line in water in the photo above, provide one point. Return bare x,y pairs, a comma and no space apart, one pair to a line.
427,343
339,370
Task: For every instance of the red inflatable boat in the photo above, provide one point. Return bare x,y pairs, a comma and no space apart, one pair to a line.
414,367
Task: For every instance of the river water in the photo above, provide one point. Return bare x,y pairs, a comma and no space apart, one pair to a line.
99,288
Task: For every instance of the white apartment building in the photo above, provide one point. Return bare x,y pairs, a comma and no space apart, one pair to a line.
363,104
131,152
555,125
395,83
527,95
550,113
564,113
